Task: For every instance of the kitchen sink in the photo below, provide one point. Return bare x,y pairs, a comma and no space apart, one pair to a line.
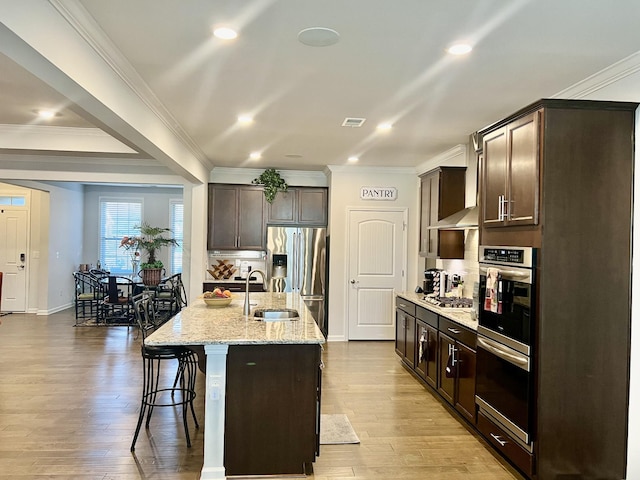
275,314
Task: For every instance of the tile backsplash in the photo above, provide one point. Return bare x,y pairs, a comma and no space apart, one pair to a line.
467,268
242,261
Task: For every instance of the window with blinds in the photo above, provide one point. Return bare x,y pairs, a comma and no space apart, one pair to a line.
118,218
176,219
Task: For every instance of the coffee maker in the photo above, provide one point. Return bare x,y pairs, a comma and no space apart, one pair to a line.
432,281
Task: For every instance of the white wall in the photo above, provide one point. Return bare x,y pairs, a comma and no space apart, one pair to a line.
55,237
345,192
155,211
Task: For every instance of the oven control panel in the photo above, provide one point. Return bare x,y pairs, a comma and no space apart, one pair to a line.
516,256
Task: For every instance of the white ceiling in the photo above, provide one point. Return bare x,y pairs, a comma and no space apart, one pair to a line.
389,65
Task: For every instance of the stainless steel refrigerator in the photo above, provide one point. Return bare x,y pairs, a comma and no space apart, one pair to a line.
297,262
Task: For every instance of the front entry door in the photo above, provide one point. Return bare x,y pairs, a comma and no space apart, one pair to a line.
377,262
13,259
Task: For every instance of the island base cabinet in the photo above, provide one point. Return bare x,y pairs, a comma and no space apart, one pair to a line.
272,409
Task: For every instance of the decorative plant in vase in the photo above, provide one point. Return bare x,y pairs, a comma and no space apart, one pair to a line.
273,183
151,240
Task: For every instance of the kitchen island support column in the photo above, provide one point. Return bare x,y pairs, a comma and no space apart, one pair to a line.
214,412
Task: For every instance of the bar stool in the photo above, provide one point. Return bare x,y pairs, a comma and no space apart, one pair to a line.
154,394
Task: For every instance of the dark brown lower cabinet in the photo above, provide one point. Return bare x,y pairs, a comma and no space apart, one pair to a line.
406,331
427,356
507,447
446,382
457,381
232,286
466,382
272,409
439,351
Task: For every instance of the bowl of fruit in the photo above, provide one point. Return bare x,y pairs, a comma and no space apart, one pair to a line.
218,298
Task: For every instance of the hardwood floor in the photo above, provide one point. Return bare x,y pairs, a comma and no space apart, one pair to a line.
69,399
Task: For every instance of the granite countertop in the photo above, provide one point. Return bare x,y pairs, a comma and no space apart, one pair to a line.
199,324
463,316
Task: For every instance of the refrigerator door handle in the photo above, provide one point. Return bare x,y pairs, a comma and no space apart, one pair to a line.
300,262
294,277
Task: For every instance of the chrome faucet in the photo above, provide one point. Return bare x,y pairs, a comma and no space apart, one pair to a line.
247,308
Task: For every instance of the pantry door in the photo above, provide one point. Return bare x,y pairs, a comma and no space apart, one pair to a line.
13,258
377,265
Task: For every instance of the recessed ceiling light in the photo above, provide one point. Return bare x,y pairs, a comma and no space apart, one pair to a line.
224,33
245,119
459,49
255,156
318,36
353,159
384,126
46,114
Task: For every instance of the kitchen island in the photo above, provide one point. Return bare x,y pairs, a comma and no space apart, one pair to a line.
262,405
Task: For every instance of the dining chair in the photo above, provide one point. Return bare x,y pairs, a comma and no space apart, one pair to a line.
170,296
88,295
116,305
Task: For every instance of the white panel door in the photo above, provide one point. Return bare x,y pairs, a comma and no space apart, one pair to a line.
377,258
13,256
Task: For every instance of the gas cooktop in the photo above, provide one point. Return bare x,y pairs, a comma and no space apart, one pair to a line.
449,302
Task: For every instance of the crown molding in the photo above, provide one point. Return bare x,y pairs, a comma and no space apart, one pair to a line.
89,30
374,170
454,157
243,176
608,76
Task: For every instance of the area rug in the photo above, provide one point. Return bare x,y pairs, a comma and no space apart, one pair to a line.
93,323
336,429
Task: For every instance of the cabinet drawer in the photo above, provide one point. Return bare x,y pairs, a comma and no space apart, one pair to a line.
234,287
406,306
427,316
457,331
503,443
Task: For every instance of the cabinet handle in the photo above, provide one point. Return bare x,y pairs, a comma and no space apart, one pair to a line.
497,439
500,208
453,330
452,354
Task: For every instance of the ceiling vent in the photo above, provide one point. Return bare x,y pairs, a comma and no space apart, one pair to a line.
353,122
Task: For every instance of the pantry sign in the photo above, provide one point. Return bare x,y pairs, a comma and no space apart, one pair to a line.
378,193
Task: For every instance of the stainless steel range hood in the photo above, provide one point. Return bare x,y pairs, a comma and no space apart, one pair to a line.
466,218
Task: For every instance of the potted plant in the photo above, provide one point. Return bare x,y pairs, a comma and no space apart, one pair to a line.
273,183
151,240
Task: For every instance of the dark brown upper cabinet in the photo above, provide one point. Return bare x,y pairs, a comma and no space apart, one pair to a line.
236,217
299,206
441,195
511,173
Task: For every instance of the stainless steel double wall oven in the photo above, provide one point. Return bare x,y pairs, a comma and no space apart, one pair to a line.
504,382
